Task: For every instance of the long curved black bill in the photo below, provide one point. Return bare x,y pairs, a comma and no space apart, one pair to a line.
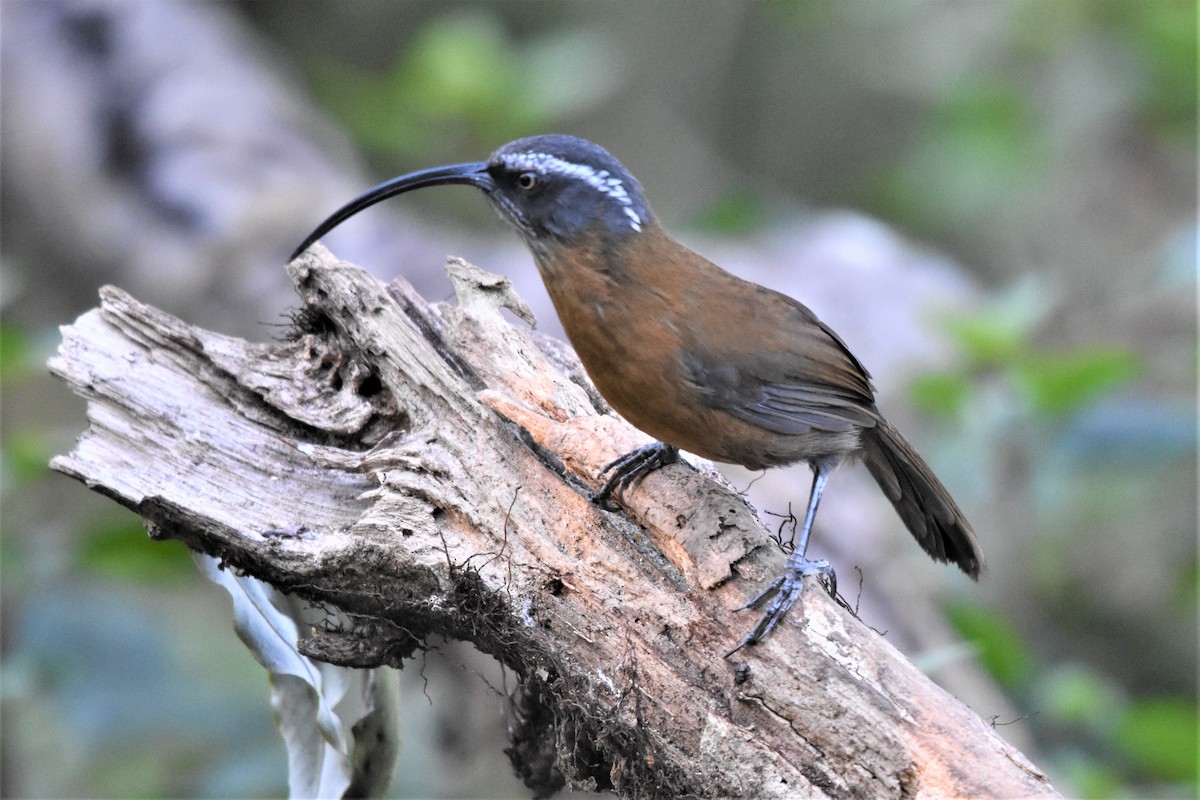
469,174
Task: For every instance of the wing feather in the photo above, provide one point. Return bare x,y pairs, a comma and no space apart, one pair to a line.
811,381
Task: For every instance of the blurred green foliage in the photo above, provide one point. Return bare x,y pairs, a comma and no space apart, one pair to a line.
1060,382
14,350
1163,36
1159,737
734,213
96,669
1112,742
1105,742
1076,695
989,136
120,550
26,451
978,143
25,457
1001,339
463,80
997,643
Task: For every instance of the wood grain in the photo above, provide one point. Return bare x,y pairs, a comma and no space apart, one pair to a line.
426,468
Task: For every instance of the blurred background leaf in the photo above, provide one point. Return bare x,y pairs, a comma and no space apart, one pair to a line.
996,641
1062,382
464,79
120,550
1159,736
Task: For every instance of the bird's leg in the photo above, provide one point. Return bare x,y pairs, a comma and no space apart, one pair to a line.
785,590
629,469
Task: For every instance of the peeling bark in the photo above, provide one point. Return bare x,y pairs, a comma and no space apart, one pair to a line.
426,470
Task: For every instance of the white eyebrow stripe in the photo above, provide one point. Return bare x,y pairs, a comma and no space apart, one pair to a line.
602,181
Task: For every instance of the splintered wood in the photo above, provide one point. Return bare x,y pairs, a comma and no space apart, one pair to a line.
426,470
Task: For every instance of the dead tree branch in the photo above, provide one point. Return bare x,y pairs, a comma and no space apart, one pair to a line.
425,469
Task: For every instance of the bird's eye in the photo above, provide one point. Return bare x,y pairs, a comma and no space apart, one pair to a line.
527,181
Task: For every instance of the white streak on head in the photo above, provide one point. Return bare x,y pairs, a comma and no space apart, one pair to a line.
600,180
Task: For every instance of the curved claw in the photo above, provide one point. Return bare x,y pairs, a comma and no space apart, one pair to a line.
783,592
629,469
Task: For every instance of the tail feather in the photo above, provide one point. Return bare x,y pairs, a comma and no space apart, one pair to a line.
920,499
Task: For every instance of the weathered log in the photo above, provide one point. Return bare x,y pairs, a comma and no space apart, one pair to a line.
426,470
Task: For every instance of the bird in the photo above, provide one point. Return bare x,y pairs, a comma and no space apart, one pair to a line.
696,357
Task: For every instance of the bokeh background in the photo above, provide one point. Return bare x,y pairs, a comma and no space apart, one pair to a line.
994,202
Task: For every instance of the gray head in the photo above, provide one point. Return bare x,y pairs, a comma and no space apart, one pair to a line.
559,186
552,188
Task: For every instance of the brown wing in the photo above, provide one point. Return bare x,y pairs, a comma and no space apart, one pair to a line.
777,366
